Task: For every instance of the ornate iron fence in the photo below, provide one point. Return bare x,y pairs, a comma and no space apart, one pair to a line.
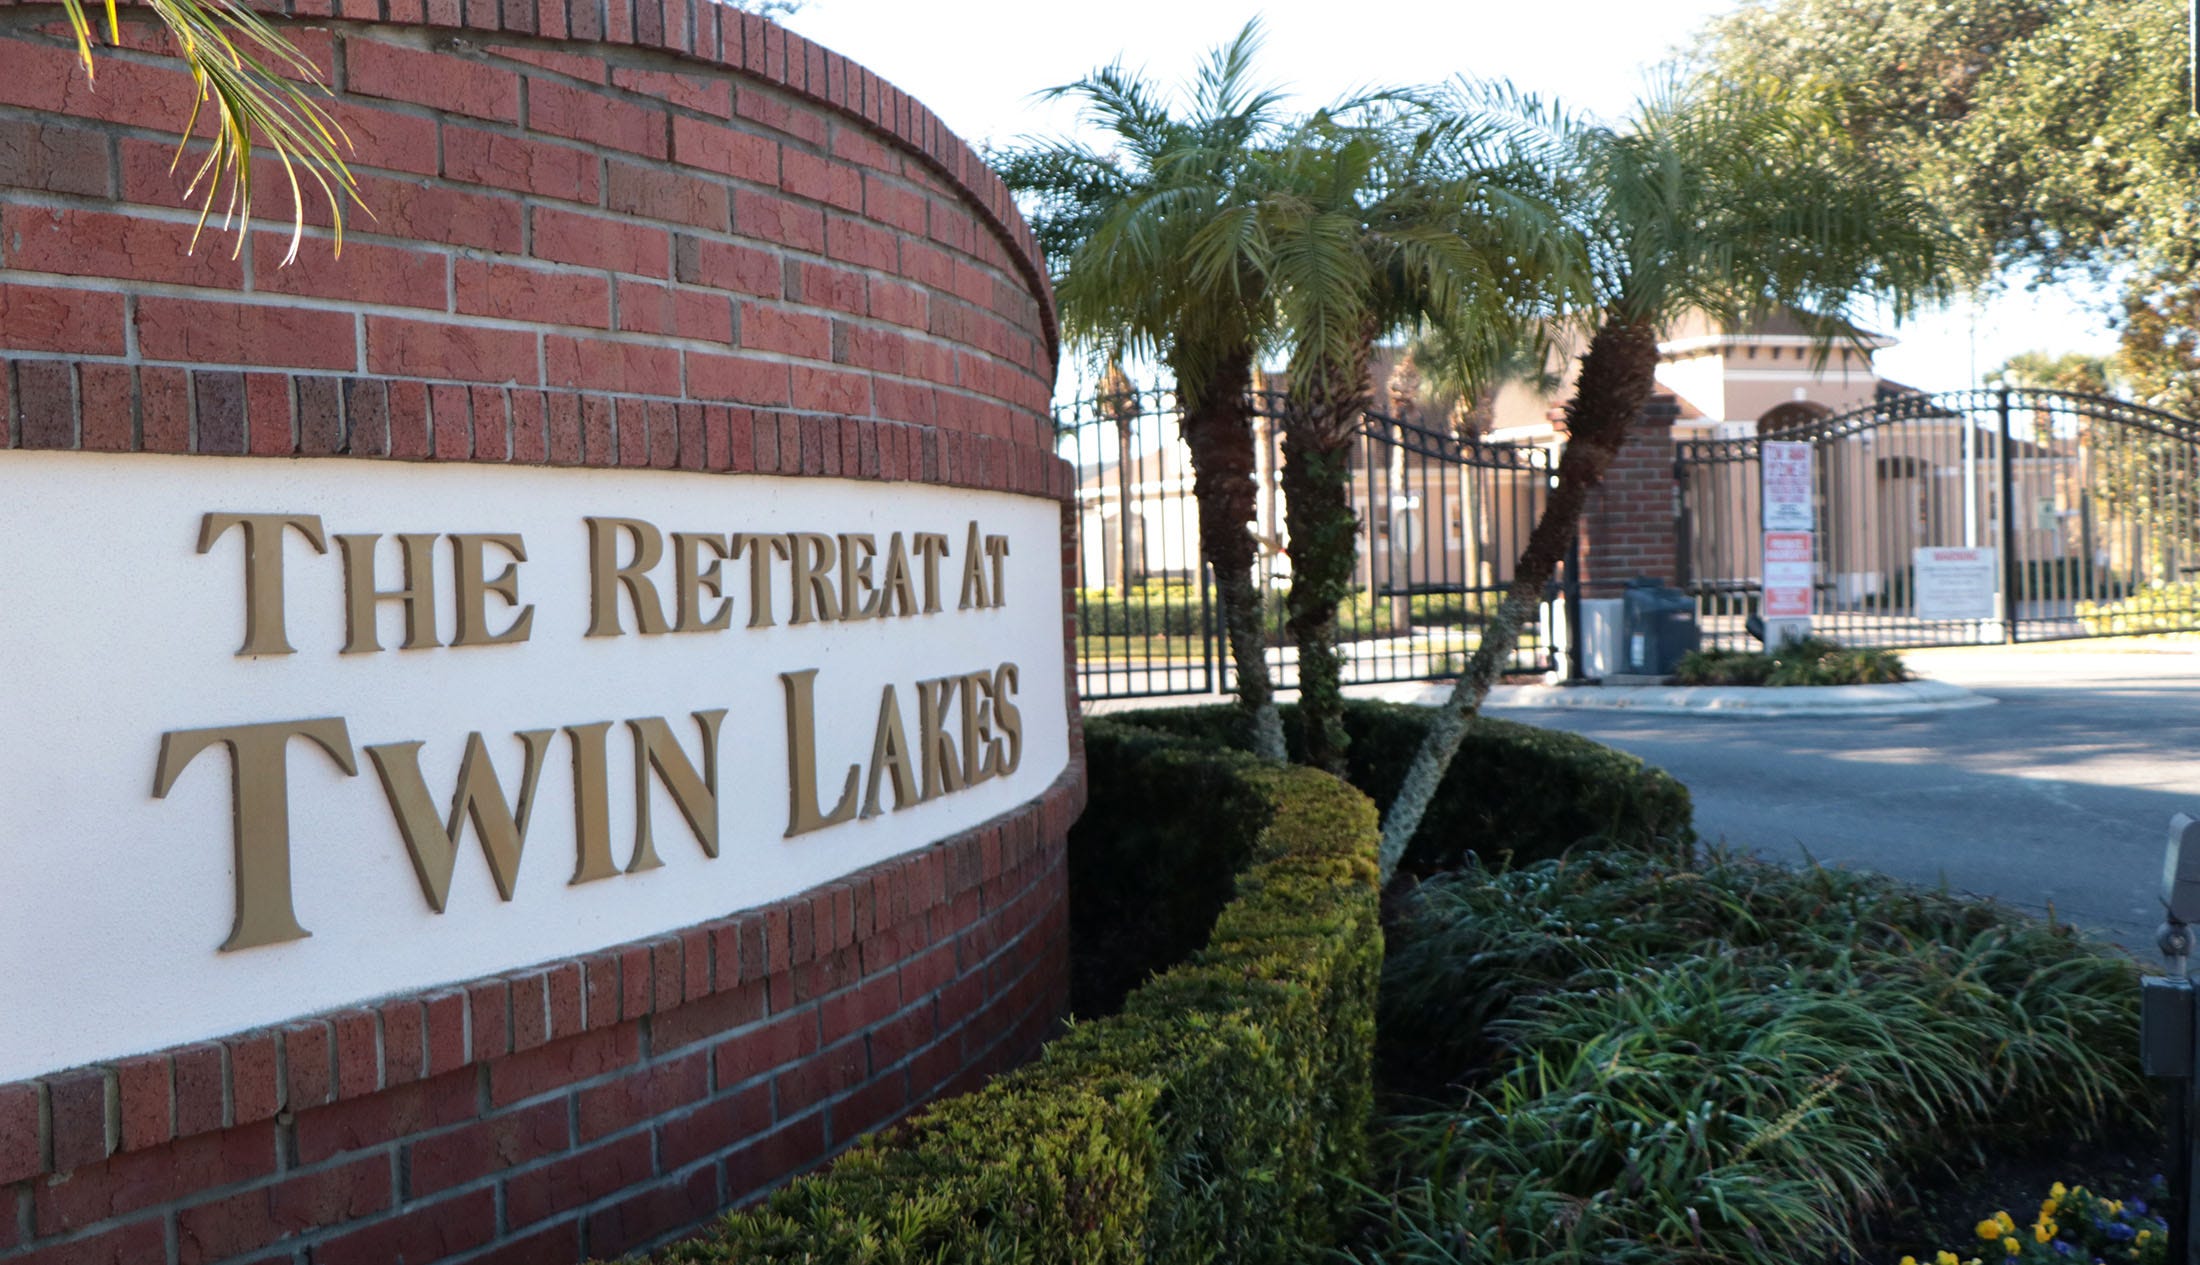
2091,504
1441,518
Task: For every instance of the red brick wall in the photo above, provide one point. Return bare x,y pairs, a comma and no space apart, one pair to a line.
1627,528
602,233
585,1107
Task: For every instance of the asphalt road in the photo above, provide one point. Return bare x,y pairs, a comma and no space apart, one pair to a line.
2060,794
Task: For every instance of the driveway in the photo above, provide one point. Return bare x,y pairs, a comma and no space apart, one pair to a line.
2059,795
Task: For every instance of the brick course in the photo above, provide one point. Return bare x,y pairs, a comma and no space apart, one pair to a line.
1627,527
643,233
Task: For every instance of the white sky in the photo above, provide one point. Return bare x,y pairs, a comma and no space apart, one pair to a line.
979,62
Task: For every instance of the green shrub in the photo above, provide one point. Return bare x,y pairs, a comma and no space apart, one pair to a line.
1806,661
1731,1062
1515,793
1154,608
1220,1117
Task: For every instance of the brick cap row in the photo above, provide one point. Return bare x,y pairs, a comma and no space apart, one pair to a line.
102,406
716,34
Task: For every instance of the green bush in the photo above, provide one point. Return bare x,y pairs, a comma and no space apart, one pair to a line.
1515,793
1220,1117
1732,1062
1806,661
1154,608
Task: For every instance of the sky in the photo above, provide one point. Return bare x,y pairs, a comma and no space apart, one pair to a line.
978,64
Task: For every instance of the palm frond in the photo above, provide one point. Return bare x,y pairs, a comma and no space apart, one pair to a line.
263,92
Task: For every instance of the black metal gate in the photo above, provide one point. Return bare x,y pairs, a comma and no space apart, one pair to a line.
2091,505
1442,520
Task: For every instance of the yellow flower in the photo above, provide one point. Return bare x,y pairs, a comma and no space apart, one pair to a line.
2044,1231
2049,1207
1909,1260
2007,1222
1946,1257
2058,1190
2011,1246
1988,1230
2144,1235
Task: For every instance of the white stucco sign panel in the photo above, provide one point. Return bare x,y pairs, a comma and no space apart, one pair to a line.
880,704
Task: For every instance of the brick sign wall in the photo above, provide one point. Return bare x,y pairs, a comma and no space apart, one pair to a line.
639,234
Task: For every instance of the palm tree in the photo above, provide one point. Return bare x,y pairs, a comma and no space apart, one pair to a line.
263,91
1727,201
1385,216
1124,225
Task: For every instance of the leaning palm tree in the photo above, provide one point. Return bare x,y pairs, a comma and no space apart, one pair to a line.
1123,225
1727,201
1392,215
262,90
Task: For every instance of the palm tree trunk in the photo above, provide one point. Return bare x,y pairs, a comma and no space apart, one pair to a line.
1218,429
1618,373
1324,545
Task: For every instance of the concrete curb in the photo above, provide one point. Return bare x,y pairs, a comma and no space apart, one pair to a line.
1798,700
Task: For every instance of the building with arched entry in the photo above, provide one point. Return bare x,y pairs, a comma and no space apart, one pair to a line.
1730,384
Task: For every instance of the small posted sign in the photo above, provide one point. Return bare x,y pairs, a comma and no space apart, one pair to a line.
1790,574
1955,583
1788,486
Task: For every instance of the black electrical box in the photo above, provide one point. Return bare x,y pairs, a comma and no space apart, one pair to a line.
1658,626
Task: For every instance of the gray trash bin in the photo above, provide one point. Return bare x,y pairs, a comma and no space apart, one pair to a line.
1658,627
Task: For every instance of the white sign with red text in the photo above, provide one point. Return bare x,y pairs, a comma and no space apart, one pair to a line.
1790,574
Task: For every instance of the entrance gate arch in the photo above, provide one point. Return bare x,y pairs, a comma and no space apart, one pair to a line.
2091,504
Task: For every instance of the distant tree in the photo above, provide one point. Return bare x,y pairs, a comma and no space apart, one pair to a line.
1147,239
2056,134
1732,202
2044,370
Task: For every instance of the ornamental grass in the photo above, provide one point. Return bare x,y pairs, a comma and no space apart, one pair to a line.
1630,1060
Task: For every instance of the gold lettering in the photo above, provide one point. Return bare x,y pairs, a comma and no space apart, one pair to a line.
417,593
695,793
606,575
890,755
473,591
900,596
996,549
591,803
979,763
1008,719
760,571
692,580
802,812
942,769
809,577
264,632
859,598
259,790
973,587
931,546
433,844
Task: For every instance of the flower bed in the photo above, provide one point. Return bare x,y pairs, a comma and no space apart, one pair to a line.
1732,1062
1809,661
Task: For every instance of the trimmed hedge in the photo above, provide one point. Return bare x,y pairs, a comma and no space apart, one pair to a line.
1515,793
1221,1117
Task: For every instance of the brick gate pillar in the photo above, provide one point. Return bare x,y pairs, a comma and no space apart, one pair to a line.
1627,528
